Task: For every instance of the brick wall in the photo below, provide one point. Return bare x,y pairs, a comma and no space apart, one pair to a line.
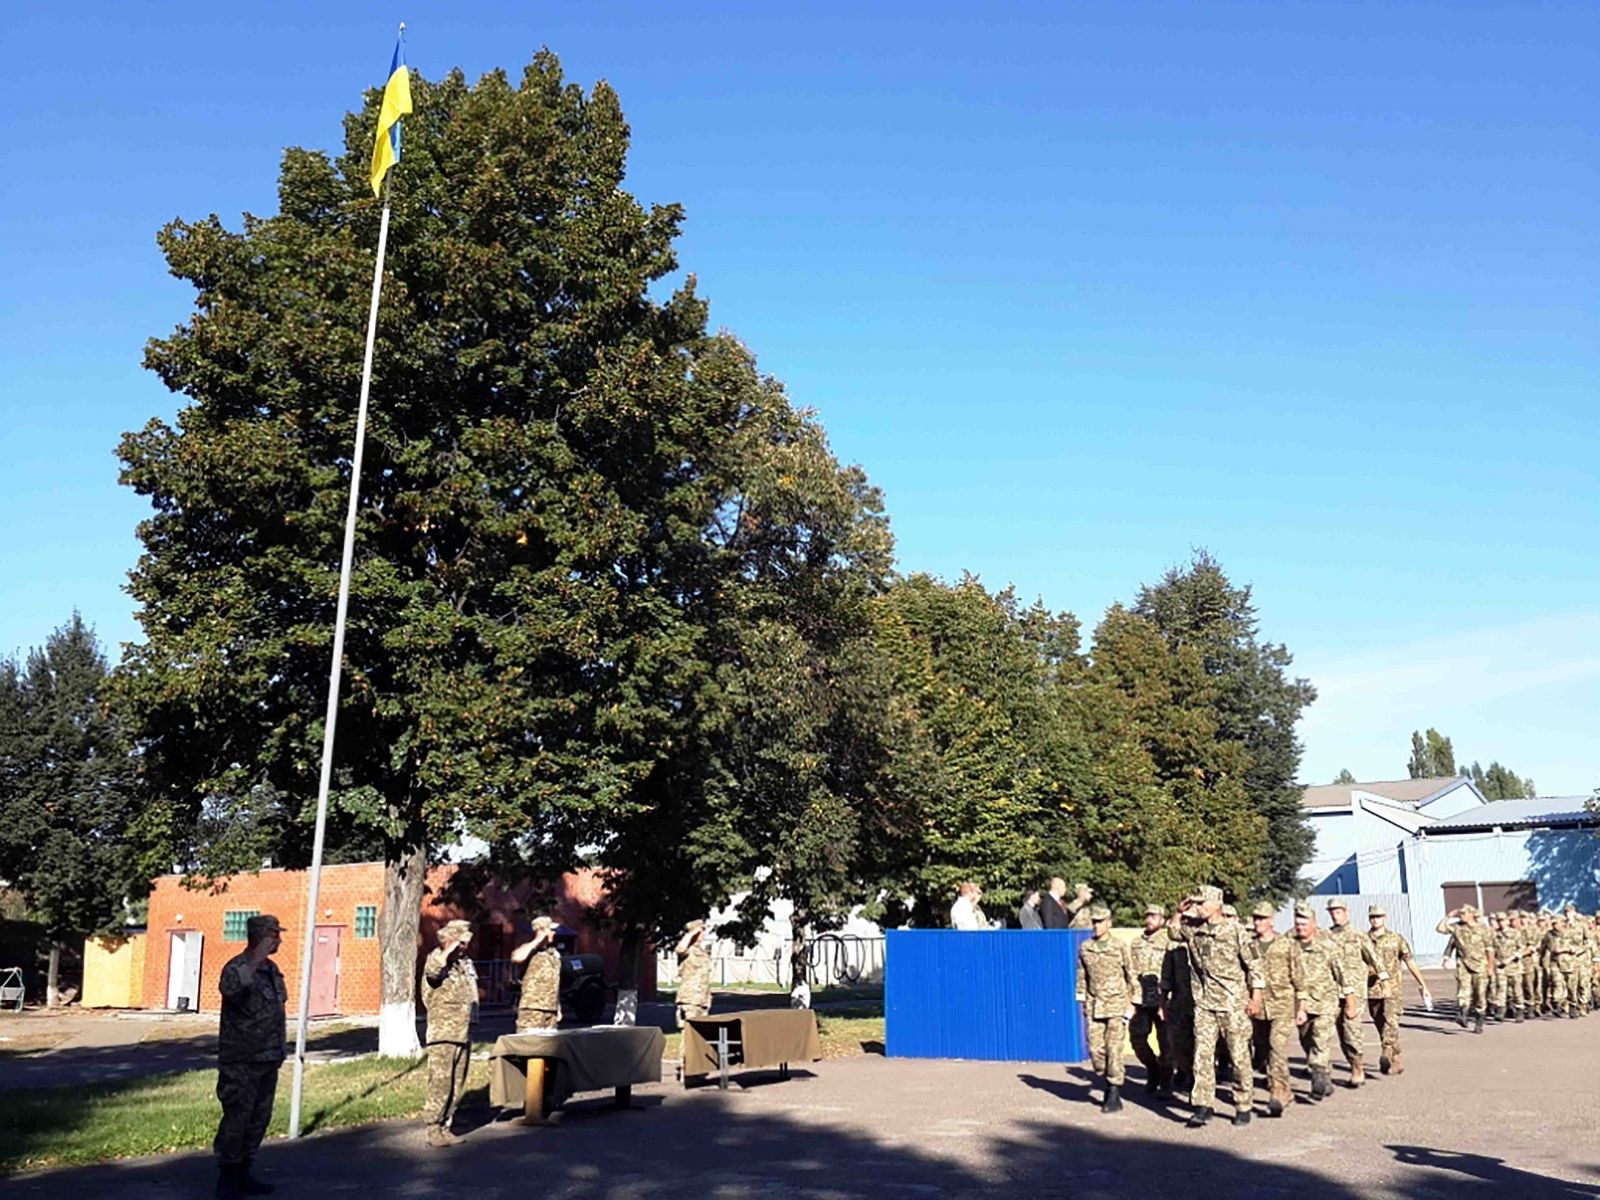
501,923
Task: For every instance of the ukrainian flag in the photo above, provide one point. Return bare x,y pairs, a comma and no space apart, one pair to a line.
396,104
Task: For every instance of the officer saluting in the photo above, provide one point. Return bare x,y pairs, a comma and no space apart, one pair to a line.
250,1049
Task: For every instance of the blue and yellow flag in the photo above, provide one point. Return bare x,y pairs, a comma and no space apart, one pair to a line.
396,104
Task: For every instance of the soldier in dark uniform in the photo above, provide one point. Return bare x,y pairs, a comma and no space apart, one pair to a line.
449,990
250,1050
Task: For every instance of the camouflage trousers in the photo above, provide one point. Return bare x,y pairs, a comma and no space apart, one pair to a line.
1147,1020
1472,990
1316,1039
1505,992
1534,982
1352,1037
1567,989
537,1018
1180,1037
1385,1012
1232,1029
447,1079
1106,1035
1272,1045
687,1012
246,1091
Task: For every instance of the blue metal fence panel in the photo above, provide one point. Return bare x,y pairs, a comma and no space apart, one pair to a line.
1001,995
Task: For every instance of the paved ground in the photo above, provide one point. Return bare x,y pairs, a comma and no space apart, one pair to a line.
1509,1114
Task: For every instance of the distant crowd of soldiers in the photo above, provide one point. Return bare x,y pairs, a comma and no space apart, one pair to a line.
1211,994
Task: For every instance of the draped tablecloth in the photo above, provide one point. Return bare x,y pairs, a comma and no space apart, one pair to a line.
586,1060
770,1037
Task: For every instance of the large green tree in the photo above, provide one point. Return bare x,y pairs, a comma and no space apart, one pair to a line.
1498,782
1432,755
67,800
1258,703
577,506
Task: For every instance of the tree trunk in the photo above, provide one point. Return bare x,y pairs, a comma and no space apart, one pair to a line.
799,976
627,1010
404,875
52,989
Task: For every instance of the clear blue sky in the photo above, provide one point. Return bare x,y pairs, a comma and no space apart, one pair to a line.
1081,285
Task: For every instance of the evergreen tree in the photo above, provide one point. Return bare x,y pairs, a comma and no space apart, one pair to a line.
1257,702
1432,756
67,798
1344,776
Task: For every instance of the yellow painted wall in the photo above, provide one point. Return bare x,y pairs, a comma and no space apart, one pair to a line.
113,973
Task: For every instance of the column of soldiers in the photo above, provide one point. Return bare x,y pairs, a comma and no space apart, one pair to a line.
1215,997
1540,965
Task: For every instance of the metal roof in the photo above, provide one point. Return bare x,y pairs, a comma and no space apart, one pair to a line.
1401,791
1519,814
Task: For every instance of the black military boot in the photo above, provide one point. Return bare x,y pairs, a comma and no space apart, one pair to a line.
1113,1101
228,1186
1241,1117
1201,1116
1519,1015
1461,1017
1477,1023
1152,1081
1164,1081
250,1185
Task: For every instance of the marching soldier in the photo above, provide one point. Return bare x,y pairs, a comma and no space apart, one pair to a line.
1567,945
1359,961
250,1050
1385,993
1220,958
540,1004
1277,1009
1507,961
449,991
1149,953
1323,995
1474,963
1517,967
1532,971
1106,988
694,972
1177,1011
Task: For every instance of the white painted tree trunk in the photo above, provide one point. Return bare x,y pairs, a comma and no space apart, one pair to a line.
52,987
627,1007
397,1030
404,877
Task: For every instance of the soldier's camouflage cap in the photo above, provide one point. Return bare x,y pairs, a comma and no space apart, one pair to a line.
1569,907
1208,894
1099,913
1470,908
1155,910
1337,902
259,926
1229,910
544,923
1376,910
459,928
693,925
1264,909
1302,909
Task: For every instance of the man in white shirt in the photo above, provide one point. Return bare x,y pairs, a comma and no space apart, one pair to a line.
965,913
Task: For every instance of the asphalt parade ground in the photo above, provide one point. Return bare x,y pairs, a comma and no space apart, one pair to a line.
1509,1113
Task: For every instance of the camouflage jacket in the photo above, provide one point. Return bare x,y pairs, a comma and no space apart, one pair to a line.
694,975
1471,943
253,1022
1177,981
1278,973
1360,963
1105,977
541,981
1219,957
1567,944
1322,981
1390,949
449,990
1149,953
1507,945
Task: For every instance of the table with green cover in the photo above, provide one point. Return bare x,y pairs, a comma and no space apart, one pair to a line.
757,1037
572,1060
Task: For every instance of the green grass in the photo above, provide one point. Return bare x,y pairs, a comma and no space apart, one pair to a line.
841,1036
45,1127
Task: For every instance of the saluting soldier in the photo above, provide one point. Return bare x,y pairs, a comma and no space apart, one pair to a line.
1219,956
250,1051
1277,1010
694,972
540,1004
1323,995
1149,952
449,991
1359,962
1474,954
1106,989
1386,994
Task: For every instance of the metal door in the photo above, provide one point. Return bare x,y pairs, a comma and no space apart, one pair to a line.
325,971
183,969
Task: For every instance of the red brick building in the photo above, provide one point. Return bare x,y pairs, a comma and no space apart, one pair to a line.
192,933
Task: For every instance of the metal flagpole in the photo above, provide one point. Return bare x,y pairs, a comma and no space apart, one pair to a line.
310,928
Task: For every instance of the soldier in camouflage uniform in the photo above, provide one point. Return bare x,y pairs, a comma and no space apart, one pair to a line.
1323,994
1149,952
1594,959
540,1004
1516,970
1220,958
1532,972
1359,964
1386,996
1507,962
449,991
1106,989
1545,937
250,1050
1474,953
694,972
1277,1009
1568,944
1177,1011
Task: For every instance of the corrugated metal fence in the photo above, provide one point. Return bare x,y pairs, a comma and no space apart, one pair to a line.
1001,995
